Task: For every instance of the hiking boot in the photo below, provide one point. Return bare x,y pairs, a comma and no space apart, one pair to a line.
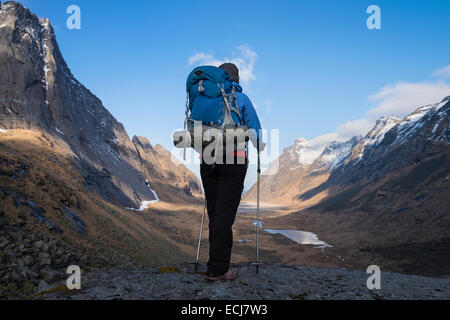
229,276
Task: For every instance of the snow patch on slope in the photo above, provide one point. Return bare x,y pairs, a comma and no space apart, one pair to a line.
304,152
377,134
146,204
336,152
411,123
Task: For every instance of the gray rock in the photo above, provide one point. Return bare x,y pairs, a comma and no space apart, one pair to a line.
52,275
39,244
28,260
44,258
17,236
3,244
29,274
74,219
273,282
43,287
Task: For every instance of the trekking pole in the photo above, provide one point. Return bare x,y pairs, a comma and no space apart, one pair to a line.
197,260
258,190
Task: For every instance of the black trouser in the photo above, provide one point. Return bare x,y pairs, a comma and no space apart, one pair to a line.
223,184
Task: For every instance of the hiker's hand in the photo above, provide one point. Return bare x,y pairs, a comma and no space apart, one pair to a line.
262,147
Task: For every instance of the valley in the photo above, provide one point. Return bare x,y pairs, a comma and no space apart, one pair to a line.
75,188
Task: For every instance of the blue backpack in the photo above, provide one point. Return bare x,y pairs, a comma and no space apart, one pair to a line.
211,99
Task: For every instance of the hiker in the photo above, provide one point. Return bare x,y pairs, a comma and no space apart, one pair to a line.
223,185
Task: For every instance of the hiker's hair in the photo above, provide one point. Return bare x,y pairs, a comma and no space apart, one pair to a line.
232,70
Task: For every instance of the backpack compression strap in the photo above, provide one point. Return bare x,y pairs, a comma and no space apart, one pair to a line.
228,105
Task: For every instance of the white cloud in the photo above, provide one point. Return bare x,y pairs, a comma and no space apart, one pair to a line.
345,132
324,139
245,60
243,57
404,97
399,100
204,59
443,72
355,128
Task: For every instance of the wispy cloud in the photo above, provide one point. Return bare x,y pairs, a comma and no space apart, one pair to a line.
204,58
355,128
443,72
403,98
243,57
398,100
345,131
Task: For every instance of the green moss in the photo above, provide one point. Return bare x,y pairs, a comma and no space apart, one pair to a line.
169,270
204,299
61,288
300,296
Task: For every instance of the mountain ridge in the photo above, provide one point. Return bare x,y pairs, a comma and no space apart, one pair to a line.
40,91
356,149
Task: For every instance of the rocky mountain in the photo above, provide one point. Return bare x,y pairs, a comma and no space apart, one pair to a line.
69,173
394,145
335,153
306,170
173,181
375,136
38,91
301,167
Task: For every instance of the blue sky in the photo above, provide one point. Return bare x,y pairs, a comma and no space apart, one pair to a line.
312,68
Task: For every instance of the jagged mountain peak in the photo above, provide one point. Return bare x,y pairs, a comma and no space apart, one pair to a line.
18,8
21,17
382,126
301,141
303,152
335,153
39,92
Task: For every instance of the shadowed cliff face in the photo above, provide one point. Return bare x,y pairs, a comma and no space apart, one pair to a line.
172,179
37,90
416,147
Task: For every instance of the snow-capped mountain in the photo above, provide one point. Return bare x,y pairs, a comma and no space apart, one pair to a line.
374,137
417,144
303,152
415,122
299,166
306,170
335,153
389,132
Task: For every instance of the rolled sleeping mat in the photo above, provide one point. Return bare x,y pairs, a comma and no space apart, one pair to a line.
185,138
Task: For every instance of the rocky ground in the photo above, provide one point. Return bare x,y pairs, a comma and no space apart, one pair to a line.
273,282
33,265
31,262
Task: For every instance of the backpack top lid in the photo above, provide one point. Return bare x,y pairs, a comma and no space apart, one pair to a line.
210,73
